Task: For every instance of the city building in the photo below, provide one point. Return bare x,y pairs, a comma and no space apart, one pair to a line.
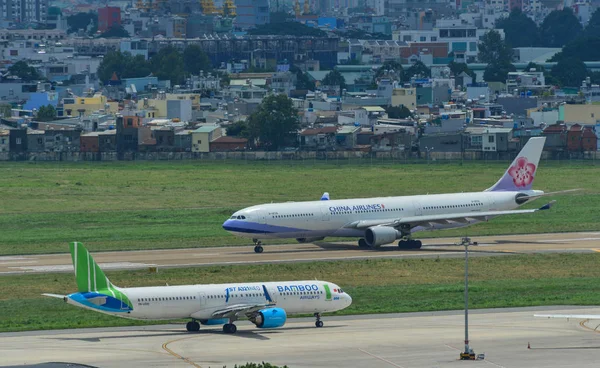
24,11
252,13
108,17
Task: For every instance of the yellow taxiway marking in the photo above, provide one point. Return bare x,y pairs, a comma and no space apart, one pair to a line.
166,348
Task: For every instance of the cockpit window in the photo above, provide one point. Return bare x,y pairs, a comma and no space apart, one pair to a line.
240,217
233,217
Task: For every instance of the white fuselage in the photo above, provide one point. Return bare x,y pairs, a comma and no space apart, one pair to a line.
201,301
331,217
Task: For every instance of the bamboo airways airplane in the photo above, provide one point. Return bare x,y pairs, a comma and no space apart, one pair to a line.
264,304
378,221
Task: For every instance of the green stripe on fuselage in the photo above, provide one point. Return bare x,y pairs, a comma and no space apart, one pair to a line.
327,292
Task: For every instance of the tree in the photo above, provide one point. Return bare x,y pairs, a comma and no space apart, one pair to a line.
334,78
238,129
195,60
46,113
458,68
168,64
273,122
82,21
390,68
124,65
570,72
302,80
519,30
280,17
418,69
5,110
583,48
498,72
116,31
494,50
593,27
398,112
559,28
23,71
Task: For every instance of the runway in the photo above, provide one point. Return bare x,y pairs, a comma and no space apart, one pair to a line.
399,340
323,251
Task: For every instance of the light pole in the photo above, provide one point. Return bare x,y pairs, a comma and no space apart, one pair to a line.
468,353
428,149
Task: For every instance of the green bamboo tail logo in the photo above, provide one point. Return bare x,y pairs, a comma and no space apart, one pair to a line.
90,277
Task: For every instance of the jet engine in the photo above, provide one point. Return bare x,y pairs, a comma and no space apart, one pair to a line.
214,321
269,318
376,236
309,240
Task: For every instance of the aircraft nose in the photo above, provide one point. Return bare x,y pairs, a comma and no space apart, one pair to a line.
227,225
348,300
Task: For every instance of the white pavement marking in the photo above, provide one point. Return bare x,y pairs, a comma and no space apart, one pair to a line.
380,358
106,266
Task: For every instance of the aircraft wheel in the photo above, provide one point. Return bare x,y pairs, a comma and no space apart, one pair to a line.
418,244
195,326
258,249
319,324
229,328
189,326
363,243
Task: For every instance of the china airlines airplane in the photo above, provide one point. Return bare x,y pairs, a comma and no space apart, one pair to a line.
382,220
266,304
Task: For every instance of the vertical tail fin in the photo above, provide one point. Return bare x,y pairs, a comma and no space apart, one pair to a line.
521,173
88,274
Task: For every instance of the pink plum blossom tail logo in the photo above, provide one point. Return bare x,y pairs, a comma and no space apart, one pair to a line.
522,172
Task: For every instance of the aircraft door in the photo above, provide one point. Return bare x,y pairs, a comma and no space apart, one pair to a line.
270,293
202,299
418,208
325,213
261,216
491,203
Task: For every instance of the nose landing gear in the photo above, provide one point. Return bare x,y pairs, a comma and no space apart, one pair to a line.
257,246
318,323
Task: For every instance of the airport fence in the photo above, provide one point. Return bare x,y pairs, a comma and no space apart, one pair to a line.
304,157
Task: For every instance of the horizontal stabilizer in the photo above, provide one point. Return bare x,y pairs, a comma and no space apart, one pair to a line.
54,295
549,194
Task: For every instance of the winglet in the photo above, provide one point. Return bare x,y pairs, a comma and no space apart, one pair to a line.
325,196
547,206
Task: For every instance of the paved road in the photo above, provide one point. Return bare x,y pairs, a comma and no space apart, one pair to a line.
400,340
439,247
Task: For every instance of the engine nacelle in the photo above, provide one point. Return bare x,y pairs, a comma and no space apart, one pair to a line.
309,240
376,236
214,321
269,318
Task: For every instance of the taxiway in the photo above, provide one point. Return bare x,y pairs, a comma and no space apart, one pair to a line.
432,339
323,251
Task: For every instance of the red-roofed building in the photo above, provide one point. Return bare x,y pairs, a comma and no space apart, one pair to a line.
318,138
225,143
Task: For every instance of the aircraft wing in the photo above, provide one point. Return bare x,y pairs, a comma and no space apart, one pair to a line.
463,217
234,310
569,316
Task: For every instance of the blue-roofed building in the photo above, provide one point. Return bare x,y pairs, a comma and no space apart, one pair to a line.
141,84
39,99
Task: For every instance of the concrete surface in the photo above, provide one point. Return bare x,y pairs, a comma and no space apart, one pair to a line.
439,247
432,339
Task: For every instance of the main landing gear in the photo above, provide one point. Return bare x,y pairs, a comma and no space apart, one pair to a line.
410,244
257,246
193,326
318,323
229,328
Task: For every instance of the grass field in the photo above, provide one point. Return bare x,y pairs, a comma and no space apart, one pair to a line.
377,286
146,205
